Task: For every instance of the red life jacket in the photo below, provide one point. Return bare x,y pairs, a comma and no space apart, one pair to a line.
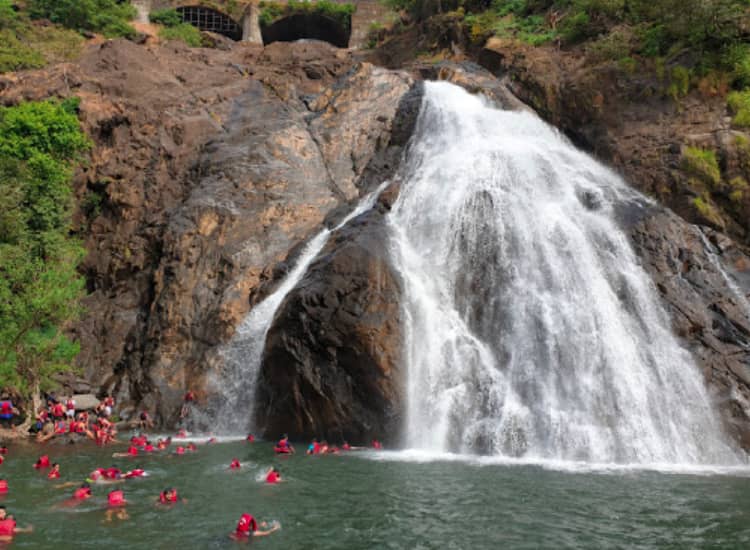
272,477
116,498
53,475
246,525
235,464
70,405
60,427
251,438
164,499
7,526
346,447
43,462
82,493
149,448
111,473
6,408
180,450
58,410
135,473
3,486
133,451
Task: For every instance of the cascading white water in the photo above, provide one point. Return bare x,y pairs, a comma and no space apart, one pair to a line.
530,328
242,355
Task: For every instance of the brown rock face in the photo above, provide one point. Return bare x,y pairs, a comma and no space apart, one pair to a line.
331,363
694,269
209,166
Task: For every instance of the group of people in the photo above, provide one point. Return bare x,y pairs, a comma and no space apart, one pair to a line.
116,506
58,418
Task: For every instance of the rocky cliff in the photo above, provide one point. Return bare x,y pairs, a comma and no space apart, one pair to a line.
211,167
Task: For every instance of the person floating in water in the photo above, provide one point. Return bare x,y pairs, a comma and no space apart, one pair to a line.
235,465
273,476
116,506
169,496
3,487
134,473
42,463
8,526
314,447
180,450
83,492
54,473
376,444
191,447
283,446
247,527
250,438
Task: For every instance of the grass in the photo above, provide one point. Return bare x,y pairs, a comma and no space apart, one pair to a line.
184,32
30,46
739,105
271,11
702,163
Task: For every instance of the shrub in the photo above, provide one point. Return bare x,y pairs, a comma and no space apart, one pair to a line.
679,82
702,163
167,17
342,13
184,32
739,104
107,16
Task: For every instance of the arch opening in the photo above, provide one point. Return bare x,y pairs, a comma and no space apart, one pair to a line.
211,20
306,25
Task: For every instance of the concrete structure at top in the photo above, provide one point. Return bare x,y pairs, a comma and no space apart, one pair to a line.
240,20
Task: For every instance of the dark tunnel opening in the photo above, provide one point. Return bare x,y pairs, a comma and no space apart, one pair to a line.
208,19
307,25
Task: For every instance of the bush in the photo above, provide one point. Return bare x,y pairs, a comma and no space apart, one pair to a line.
679,85
342,13
739,104
702,163
106,16
168,17
184,32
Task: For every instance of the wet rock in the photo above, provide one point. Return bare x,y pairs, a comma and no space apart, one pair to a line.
705,290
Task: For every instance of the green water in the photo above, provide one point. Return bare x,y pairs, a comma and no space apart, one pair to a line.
367,500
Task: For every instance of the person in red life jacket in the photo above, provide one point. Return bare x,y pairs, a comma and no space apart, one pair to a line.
58,411
8,526
180,450
133,450
273,476
3,450
187,402
211,440
7,412
112,473
83,492
2,459
346,446
376,444
42,462
70,408
247,527
161,445
182,433
250,438
3,487
283,446
192,447
134,473
149,448
61,427
169,497
324,447
54,473
235,465
116,505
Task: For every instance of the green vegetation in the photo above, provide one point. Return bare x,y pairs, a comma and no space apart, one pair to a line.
25,45
167,17
39,283
342,13
739,104
702,163
109,17
185,32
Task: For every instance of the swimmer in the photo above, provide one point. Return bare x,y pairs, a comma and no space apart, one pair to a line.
250,438
247,527
346,446
235,465
3,487
54,473
83,492
161,445
8,526
182,433
3,450
42,462
283,446
273,476
314,447
180,450
134,473
169,497
116,506
192,447
376,444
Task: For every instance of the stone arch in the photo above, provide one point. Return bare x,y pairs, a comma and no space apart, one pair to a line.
307,25
209,19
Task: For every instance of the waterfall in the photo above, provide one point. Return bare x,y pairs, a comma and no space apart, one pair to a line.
530,328
242,355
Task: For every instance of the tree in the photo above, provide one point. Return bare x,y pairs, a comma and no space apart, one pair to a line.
39,284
